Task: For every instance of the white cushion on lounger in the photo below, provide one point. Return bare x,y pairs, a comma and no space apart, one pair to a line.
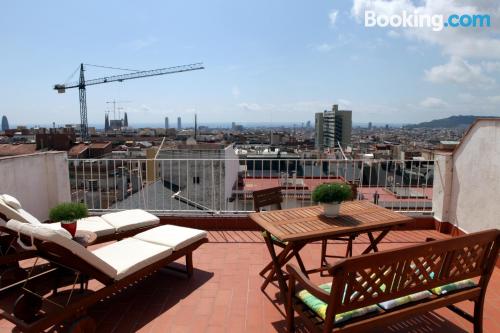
17,214
28,217
11,201
130,219
61,237
171,235
94,224
131,255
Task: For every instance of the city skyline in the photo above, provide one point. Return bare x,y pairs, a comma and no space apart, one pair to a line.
317,56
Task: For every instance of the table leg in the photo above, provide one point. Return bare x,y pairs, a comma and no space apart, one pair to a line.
282,258
277,266
295,250
375,241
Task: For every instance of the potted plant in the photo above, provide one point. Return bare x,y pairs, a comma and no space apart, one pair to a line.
68,213
330,196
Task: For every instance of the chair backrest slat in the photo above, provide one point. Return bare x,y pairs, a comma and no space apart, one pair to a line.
267,197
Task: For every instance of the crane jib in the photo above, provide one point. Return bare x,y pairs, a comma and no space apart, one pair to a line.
129,76
82,83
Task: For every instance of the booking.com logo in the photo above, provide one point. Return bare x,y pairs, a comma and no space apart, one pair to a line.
416,20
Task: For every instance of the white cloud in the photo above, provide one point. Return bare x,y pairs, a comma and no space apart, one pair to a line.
473,43
433,102
494,99
458,71
285,109
250,106
333,17
139,44
468,49
393,34
235,91
466,97
325,47
491,66
344,102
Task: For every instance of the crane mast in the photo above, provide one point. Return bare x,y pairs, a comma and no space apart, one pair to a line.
82,84
84,125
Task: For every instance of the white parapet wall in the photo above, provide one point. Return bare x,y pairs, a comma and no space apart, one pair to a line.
40,181
443,179
467,183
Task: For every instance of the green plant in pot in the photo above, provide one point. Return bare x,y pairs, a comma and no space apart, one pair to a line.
330,196
68,213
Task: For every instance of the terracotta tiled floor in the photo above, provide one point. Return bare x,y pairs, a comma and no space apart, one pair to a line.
224,294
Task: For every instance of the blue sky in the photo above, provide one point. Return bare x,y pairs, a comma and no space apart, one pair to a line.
266,61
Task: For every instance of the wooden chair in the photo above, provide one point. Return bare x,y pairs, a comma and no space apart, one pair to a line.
272,197
324,264
377,289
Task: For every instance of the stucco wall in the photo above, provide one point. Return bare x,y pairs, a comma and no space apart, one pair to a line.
231,171
442,184
475,188
39,181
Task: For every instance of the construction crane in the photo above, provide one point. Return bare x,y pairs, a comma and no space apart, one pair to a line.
82,84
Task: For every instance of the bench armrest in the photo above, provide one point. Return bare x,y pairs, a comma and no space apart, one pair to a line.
296,275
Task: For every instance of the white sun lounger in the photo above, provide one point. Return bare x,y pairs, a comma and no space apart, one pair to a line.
115,265
109,226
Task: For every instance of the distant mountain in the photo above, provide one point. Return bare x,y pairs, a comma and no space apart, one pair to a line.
450,122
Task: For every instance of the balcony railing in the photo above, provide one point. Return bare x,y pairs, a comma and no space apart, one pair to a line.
225,186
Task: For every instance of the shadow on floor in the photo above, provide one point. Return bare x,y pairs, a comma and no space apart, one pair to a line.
143,302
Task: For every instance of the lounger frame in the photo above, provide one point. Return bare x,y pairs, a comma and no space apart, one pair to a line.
63,257
10,237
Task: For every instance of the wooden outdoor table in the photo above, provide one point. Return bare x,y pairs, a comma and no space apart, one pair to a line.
299,226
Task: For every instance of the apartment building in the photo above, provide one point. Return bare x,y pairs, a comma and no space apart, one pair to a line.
333,128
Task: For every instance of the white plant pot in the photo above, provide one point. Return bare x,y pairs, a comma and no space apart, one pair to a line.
331,209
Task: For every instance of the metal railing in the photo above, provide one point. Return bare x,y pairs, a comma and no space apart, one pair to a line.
225,186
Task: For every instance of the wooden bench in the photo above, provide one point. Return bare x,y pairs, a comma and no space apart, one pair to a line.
379,288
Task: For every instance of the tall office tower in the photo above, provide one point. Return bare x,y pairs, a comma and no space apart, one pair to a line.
370,125
166,122
106,123
179,123
5,123
308,124
329,129
343,126
318,133
333,128
125,120
195,126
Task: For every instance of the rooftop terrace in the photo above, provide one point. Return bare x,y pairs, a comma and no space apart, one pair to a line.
224,293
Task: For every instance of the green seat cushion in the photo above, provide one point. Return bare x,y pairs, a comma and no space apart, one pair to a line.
387,305
274,238
453,287
319,307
